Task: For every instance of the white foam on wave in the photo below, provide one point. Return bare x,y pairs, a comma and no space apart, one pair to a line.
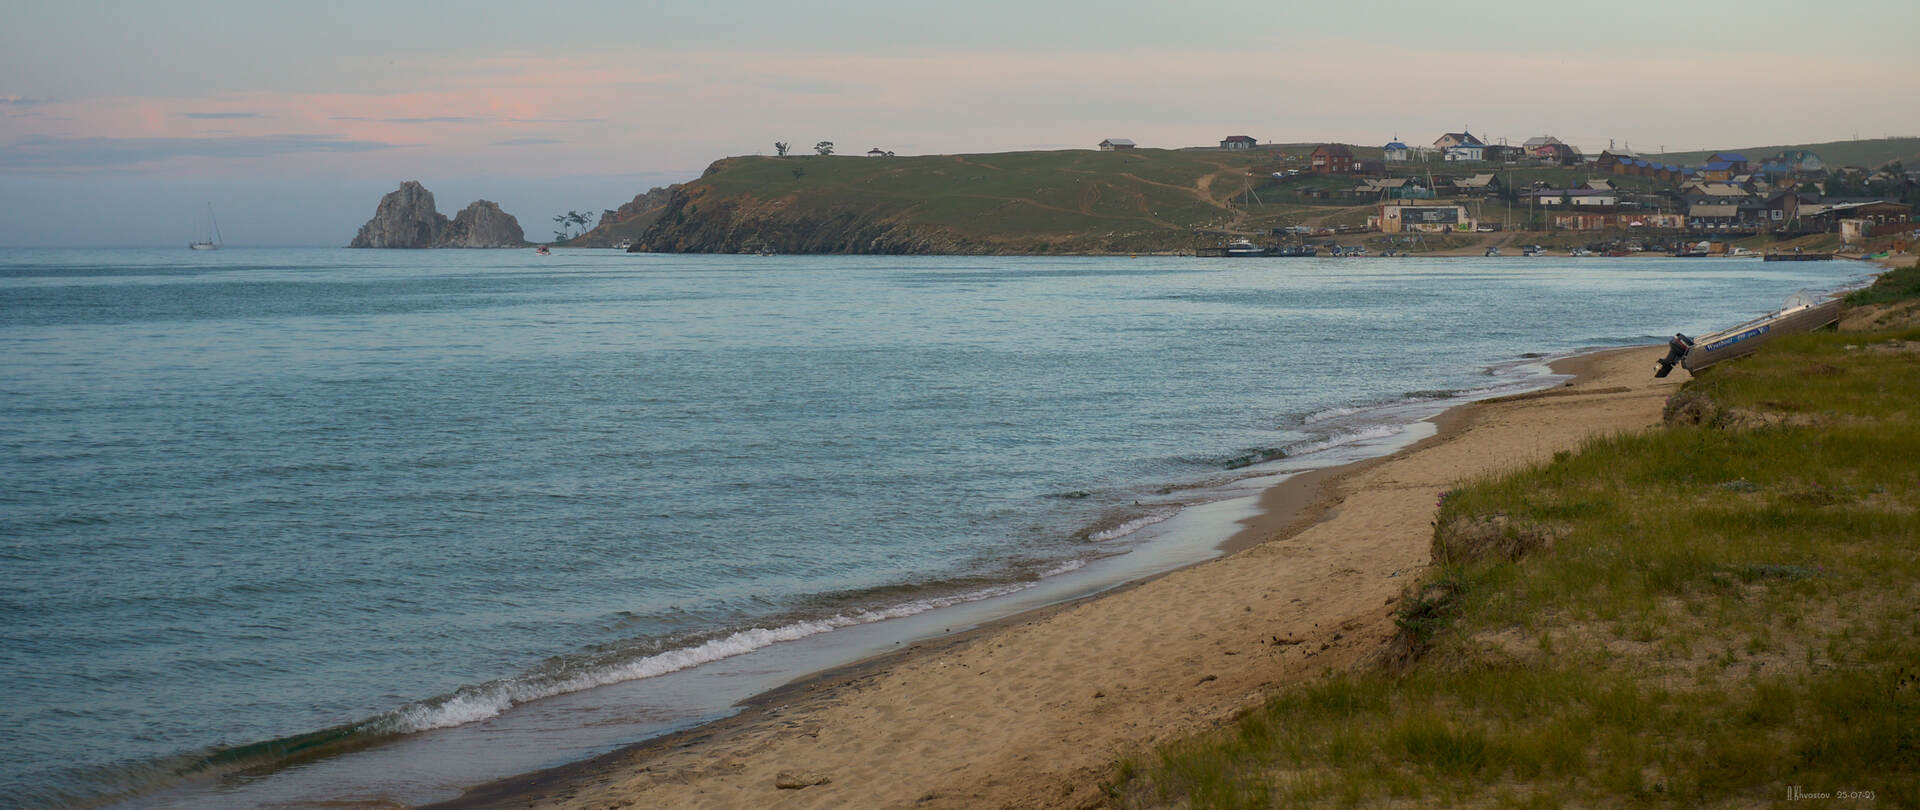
1128,527
1067,567
1333,413
1346,437
475,703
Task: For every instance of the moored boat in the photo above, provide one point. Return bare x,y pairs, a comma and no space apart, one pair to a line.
1801,314
1797,256
211,238
1242,247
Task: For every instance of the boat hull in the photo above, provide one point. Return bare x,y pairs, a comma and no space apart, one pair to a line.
1747,338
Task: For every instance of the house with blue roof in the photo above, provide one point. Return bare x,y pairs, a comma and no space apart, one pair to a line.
1396,152
1736,162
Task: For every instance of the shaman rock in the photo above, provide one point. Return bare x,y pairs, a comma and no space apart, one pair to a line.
483,225
406,218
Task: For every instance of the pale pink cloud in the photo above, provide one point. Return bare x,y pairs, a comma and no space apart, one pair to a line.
650,109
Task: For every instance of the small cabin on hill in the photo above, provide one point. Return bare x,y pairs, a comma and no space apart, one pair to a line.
1575,197
1115,144
1453,139
1238,142
1479,185
1502,153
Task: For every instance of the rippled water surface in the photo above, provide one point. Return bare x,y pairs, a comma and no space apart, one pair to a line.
258,499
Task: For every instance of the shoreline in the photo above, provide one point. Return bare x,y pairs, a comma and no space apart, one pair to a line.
1073,672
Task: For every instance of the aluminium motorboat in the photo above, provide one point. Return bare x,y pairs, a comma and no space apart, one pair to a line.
1801,314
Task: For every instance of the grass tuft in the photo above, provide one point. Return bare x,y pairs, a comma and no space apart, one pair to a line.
1703,614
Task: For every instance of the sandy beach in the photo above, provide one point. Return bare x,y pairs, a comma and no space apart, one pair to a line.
1034,711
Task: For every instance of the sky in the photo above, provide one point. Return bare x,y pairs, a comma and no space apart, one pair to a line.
121,121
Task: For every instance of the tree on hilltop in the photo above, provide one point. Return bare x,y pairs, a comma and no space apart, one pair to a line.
780,148
567,222
824,147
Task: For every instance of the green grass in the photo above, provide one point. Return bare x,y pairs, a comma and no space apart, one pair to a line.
1699,615
1893,285
1030,201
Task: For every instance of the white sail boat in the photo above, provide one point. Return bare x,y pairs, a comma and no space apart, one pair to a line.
211,239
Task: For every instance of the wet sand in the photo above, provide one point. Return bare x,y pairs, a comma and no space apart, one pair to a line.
1033,711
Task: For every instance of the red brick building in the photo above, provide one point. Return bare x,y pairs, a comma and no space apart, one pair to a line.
1331,158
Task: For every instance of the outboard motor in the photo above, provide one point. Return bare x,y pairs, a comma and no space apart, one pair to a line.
1676,349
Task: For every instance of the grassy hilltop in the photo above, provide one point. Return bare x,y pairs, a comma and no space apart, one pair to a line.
1074,201
1065,201
1871,153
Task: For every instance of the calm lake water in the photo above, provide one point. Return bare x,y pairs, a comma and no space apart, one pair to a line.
391,506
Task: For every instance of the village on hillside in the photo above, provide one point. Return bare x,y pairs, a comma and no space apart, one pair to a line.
1618,200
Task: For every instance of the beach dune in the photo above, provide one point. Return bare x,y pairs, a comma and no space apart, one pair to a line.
1033,712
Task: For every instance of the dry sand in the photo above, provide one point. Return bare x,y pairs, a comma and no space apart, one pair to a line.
1034,712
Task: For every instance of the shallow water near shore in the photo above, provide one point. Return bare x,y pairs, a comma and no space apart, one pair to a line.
300,525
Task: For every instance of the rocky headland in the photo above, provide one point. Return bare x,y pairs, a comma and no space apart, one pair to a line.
623,225
1066,201
408,218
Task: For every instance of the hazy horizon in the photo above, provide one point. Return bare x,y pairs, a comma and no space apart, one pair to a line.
119,121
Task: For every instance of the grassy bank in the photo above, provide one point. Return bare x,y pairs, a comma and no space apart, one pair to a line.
1014,202
1715,613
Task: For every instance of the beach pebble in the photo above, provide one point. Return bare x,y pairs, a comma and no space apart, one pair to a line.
795,780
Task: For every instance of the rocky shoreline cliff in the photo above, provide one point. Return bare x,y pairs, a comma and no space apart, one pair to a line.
407,218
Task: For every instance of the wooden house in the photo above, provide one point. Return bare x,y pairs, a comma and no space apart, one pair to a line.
1115,144
1331,158
1453,139
1238,142
1478,185
1502,153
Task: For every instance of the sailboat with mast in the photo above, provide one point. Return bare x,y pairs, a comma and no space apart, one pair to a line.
210,238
